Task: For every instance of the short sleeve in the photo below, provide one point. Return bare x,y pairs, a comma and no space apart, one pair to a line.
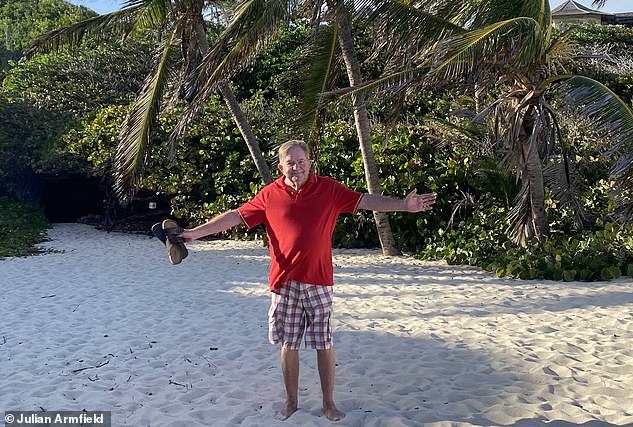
345,200
253,212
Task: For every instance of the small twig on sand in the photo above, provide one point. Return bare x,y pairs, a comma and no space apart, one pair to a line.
92,367
211,364
49,296
103,363
150,342
175,383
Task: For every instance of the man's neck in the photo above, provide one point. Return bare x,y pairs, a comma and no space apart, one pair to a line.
292,185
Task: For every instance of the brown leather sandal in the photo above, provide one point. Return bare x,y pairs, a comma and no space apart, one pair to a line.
176,249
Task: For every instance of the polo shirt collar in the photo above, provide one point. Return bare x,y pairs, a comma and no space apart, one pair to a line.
280,182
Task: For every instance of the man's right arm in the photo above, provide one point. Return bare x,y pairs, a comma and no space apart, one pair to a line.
216,225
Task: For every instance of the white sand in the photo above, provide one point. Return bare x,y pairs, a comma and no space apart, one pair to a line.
418,343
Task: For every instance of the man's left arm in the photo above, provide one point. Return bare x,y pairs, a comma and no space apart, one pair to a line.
412,203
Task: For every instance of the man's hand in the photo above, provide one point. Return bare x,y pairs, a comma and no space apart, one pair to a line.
188,235
421,203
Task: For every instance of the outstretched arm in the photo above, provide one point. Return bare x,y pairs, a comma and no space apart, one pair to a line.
412,203
216,225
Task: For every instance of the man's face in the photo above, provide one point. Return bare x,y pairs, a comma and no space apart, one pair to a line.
295,166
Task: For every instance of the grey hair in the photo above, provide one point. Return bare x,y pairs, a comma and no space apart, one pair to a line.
286,146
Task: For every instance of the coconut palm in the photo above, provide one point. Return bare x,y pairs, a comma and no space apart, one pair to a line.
253,27
184,43
510,50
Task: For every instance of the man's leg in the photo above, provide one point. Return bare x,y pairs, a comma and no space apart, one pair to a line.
290,369
326,361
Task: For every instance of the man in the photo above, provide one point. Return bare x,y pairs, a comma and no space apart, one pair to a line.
299,211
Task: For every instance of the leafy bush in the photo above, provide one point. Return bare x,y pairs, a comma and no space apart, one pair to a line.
22,226
406,160
84,80
213,171
43,98
618,38
604,254
616,43
28,138
22,21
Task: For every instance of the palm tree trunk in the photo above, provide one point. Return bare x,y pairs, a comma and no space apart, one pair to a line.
362,129
242,124
236,111
534,172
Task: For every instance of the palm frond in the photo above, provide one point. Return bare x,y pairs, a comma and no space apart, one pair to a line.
474,14
513,42
496,181
135,15
610,114
520,226
540,11
120,22
320,75
393,81
558,177
560,52
252,29
407,24
153,13
135,132
447,134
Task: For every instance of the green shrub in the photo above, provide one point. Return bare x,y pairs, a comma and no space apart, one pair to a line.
603,254
22,226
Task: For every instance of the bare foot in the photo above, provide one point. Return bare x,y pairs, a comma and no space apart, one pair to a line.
288,409
332,413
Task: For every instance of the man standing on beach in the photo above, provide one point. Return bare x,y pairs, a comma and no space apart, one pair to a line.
299,211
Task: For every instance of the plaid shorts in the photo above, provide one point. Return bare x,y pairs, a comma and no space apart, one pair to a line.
299,308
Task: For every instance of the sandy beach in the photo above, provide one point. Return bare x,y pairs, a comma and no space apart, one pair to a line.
103,322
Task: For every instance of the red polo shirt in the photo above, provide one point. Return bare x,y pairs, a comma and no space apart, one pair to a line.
299,227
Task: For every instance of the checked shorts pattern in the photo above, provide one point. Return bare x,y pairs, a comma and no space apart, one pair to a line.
299,309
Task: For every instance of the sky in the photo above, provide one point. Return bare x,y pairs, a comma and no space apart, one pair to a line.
611,6
100,6
107,6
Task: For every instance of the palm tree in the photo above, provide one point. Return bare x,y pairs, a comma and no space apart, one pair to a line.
184,43
511,48
253,27
362,127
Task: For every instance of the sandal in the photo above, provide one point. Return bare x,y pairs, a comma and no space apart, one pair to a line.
167,232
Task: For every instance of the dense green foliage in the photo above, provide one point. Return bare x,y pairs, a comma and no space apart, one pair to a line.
63,112
616,43
81,82
617,38
42,99
28,143
38,99
22,21
22,226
